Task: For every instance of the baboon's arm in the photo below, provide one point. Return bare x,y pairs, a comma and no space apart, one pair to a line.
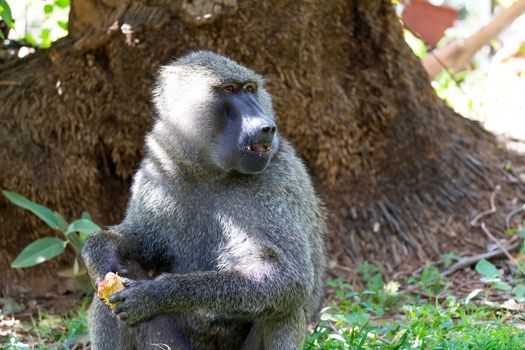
263,290
106,251
236,294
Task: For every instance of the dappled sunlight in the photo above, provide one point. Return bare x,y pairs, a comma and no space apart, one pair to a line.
240,251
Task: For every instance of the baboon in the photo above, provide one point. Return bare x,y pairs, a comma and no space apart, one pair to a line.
222,244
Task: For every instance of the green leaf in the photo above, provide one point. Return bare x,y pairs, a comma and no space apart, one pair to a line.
502,285
62,223
83,237
83,225
39,251
48,8
487,269
519,291
62,3
42,212
5,13
45,33
74,239
62,25
449,258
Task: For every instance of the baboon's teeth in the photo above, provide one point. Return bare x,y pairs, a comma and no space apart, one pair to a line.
259,148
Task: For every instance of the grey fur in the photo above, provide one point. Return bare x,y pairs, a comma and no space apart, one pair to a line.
216,259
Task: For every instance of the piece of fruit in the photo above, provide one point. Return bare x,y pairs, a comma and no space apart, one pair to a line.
111,284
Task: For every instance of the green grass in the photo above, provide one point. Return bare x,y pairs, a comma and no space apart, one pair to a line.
387,318
423,326
380,316
47,332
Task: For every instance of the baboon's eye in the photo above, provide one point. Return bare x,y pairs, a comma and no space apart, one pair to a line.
229,88
250,87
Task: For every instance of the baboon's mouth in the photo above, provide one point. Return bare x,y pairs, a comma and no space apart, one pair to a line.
258,148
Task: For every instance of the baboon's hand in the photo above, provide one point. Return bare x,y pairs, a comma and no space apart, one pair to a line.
137,303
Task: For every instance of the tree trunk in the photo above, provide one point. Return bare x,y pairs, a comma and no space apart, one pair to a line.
401,173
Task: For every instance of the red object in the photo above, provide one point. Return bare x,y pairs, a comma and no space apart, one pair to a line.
428,21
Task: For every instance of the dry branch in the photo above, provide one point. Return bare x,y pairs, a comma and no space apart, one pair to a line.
498,243
514,244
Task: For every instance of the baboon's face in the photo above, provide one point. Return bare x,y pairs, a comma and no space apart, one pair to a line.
225,114
246,134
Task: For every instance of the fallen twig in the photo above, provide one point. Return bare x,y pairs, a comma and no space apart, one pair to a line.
498,243
514,244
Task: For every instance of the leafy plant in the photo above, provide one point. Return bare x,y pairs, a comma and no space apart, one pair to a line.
43,249
5,15
378,297
491,275
371,275
431,280
449,258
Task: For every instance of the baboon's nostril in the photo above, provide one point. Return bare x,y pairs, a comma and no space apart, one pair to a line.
268,129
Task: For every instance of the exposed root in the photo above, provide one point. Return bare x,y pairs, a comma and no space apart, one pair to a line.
508,218
492,210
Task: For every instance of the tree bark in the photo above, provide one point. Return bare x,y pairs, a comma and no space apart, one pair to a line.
400,172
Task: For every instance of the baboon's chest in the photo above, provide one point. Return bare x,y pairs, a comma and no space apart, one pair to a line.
215,232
